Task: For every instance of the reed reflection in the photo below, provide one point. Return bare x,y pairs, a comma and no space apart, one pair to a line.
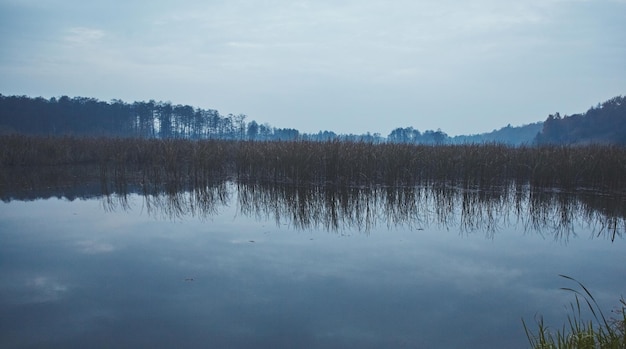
337,209
449,205
560,215
557,213
488,211
202,202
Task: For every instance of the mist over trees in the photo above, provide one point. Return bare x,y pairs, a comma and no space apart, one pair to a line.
511,135
82,116
411,135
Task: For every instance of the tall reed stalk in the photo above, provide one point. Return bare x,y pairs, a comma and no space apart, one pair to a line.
599,332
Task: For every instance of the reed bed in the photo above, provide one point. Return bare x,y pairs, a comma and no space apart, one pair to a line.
330,164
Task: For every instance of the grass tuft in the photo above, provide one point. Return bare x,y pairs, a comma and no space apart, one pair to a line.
596,333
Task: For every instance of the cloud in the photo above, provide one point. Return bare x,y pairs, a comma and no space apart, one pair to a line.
94,247
44,289
82,35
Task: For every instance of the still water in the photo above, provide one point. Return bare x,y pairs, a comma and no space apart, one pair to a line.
256,268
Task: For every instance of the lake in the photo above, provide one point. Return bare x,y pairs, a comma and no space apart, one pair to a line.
251,266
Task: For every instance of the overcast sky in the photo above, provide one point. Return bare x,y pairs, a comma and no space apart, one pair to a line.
345,65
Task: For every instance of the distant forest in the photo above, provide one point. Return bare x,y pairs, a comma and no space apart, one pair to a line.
605,123
81,116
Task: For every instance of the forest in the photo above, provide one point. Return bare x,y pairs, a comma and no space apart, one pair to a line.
82,116
604,123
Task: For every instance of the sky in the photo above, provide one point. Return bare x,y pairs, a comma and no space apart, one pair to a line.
348,66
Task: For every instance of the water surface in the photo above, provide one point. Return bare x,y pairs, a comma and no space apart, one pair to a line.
254,268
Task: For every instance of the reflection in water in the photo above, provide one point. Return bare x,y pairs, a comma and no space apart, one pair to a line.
199,202
77,277
334,208
560,215
419,207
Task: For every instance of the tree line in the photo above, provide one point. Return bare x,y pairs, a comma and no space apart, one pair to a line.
91,117
82,116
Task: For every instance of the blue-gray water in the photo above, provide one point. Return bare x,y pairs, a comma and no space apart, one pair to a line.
83,274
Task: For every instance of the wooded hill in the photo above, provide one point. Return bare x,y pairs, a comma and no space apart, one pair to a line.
605,123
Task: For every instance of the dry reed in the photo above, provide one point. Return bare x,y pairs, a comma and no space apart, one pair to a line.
331,164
